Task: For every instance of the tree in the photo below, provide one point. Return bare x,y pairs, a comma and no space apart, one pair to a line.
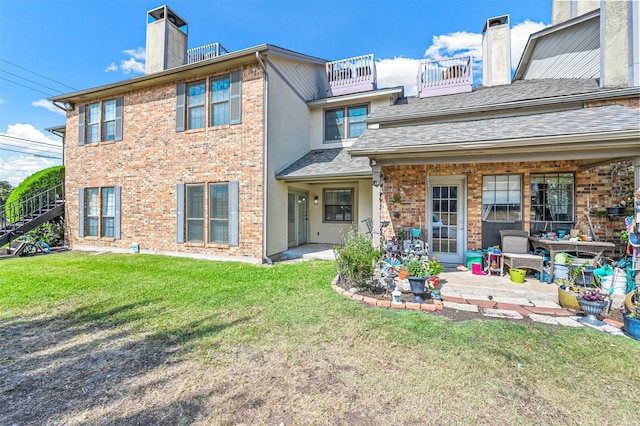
5,191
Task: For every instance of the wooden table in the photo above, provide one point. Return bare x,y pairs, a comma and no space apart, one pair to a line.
595,248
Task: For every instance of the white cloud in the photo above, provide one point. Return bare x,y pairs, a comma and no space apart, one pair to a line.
1,101
398,72
139,53
15,169
133,64
112,67
519,36
43,103
16,166
403,71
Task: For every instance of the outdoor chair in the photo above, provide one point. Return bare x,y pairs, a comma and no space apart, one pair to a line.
515,251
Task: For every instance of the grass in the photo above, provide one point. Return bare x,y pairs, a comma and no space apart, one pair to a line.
158,339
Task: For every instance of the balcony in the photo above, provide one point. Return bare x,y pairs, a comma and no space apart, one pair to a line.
203,53
352,75
445,77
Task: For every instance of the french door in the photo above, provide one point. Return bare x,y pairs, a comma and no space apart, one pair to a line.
447,219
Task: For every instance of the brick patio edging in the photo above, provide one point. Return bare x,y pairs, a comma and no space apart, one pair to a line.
438,305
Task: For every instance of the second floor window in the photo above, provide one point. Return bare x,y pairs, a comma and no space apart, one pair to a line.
100,121
219,98
344,123
195,105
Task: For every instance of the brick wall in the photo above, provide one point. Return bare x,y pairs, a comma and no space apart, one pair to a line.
152,158
593,192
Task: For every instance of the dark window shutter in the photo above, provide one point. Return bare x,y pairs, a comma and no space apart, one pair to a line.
234,216
118,207
119,109
81,213
235,98
180,213
81,118
180,101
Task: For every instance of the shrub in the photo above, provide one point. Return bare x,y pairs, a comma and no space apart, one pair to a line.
37,182
357,258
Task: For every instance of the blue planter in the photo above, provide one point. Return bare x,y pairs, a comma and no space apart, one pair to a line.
632,326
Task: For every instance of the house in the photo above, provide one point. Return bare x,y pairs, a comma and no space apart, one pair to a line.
536,152
218,154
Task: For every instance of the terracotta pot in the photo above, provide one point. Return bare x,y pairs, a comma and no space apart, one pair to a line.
403,274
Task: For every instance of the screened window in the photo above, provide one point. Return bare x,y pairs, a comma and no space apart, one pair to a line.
108,212
338,205
552,201
93,211
195,105
100,212
93,123
220,101
341,123
195,213
109,121
219,213
502,198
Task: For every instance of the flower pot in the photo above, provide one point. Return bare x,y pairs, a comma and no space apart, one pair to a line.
403,274
567,299
632,326
418,288
592,308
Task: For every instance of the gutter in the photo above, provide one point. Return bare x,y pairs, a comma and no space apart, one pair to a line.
265,156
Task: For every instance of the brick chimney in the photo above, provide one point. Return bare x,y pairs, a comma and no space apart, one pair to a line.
496,51
166,40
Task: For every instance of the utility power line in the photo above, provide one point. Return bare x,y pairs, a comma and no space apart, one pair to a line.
32,154
28,140
29,150
30,81
39,75
19,84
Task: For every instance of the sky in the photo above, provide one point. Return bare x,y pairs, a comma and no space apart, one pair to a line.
51,47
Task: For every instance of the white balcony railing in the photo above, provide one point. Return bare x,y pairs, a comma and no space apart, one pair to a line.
203,53
445,76
352,75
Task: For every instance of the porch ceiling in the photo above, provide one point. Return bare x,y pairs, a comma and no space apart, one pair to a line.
324,164
590,134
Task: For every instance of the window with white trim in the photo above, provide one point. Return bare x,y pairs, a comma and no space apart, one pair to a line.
502,198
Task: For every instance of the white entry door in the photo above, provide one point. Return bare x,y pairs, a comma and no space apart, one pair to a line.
446,218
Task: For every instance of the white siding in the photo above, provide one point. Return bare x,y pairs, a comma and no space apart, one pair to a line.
570,53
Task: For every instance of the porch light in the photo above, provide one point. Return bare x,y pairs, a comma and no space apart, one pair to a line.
315,200
376,182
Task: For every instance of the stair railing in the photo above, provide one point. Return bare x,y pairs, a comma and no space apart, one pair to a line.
16,210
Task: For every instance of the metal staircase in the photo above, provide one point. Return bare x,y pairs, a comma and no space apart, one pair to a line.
30,213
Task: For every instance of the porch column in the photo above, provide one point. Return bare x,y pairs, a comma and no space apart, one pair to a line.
635,161
375,201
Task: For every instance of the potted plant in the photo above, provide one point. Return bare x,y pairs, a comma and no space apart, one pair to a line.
632,314
568,291
418,273
592,303
434,269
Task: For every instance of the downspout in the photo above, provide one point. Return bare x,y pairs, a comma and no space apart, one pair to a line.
265,185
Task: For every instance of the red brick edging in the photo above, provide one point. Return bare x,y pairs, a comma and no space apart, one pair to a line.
439,306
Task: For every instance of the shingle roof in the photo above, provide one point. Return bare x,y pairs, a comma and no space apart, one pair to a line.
572,122
485,96
326,163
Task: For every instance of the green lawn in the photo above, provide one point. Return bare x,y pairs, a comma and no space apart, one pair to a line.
125,339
